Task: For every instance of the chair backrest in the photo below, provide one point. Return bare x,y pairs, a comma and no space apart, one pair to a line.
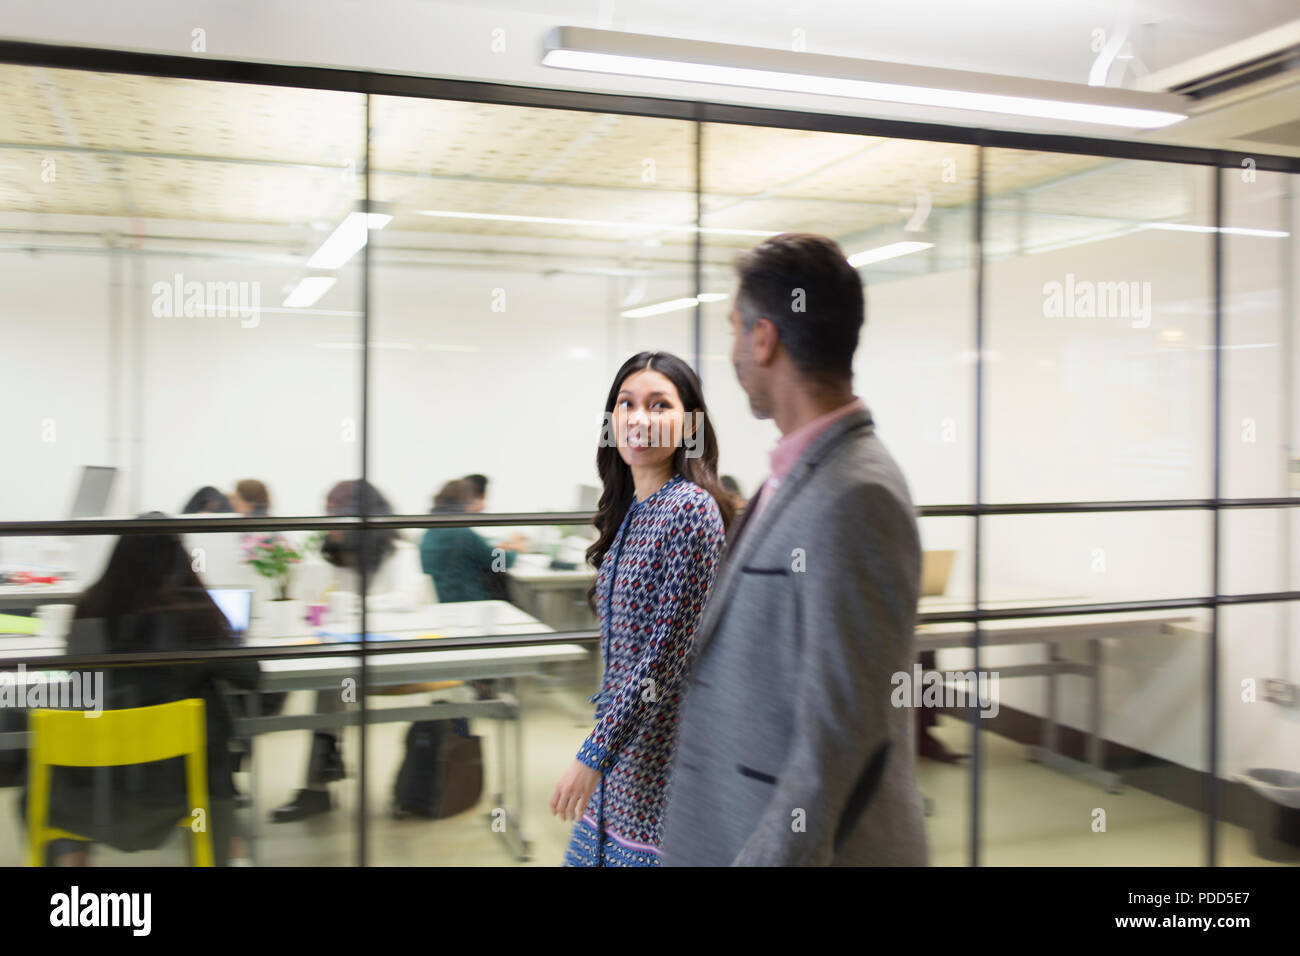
115,738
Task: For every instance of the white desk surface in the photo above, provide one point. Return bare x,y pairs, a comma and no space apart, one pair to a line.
13,595
583,575
462,619
1036,630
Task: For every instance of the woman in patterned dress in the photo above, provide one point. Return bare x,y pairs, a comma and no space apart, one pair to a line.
662,518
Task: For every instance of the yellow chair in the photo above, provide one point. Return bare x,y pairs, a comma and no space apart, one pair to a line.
116,738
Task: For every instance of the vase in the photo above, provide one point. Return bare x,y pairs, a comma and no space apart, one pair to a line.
281,619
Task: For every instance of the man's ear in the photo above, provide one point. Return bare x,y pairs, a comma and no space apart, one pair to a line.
765,338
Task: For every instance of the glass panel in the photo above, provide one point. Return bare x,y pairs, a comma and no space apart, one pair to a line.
1260,737
506,290
1099,325
1259,401
943,724
914,360
155,232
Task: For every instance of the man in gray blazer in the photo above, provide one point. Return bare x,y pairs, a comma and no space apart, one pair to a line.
789,750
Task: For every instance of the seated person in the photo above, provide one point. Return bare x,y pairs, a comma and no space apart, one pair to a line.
208,500
150,599
463,566
389,588
251,498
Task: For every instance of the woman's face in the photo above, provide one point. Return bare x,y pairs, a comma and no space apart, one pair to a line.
648,416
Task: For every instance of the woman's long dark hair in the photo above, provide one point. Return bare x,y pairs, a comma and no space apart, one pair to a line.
616,476
149,576
347,550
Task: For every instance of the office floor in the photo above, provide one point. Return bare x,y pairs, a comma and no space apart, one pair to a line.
1034,816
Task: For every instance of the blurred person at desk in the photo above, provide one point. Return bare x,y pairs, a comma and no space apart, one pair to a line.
662,517
251,499
463,566
208,500
393,584
150,599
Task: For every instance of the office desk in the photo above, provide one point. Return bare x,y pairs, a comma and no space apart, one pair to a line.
1053,632
557,597
468,619
34,595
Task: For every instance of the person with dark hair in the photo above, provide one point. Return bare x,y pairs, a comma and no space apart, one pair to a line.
462,565
208,500
351,551
479,484
791,751
251,498
661,518
732,488
150,599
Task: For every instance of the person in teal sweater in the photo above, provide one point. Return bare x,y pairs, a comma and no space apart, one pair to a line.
464,567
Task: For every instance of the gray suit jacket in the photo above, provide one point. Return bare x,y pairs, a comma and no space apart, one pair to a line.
790,752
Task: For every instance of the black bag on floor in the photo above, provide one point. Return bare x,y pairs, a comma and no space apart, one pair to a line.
442,772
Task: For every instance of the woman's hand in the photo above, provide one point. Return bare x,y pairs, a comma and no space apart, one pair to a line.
574,790
516,542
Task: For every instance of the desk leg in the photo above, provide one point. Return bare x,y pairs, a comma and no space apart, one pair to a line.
254,849
1049,723
1046,753
1096,740
507,816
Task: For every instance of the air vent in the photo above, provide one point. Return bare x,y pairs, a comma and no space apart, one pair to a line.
1241,75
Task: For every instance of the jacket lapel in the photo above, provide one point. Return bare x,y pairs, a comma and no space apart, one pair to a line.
751,530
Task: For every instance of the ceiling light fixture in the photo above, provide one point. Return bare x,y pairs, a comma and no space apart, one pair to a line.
307,291
673,305
345,241
891,251
602,223
1226,230
696,61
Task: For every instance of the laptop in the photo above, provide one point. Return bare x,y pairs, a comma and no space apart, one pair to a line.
92,494
237,605
935,568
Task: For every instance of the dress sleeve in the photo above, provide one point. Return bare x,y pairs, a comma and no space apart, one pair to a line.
693,548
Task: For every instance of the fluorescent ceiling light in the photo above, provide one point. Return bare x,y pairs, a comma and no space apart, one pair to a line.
673,305
347,239
307,291
891,251
695,61
603,223
1226,230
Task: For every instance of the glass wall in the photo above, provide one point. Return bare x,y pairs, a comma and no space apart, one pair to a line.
315,379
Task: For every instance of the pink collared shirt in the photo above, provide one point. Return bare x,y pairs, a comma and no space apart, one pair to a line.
790,448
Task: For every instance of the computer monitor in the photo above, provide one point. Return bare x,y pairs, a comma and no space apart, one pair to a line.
92,494
588,497
236,604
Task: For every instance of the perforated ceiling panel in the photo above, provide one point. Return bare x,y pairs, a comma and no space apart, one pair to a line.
76,143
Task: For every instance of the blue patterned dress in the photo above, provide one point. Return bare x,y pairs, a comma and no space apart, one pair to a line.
650,590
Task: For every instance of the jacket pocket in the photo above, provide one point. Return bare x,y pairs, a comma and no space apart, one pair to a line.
756,774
